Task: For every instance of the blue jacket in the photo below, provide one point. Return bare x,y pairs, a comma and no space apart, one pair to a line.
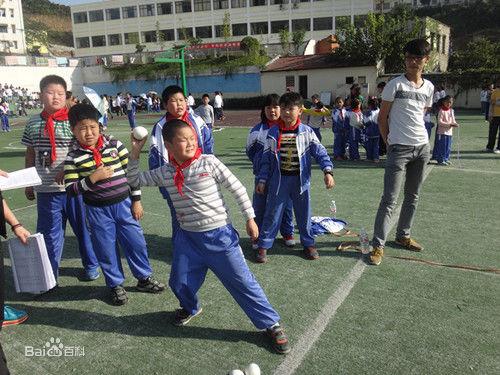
308,146
255,145
370,119
338,122
158,154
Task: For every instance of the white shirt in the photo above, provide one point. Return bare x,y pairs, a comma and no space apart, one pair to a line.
218,101
406,117
190,100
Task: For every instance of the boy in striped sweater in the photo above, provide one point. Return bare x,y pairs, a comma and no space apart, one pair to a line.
96,167
205,238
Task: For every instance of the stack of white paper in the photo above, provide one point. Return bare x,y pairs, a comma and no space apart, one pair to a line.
30,265
20,179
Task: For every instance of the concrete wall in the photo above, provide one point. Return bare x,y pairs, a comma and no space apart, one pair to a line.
30,76
322,80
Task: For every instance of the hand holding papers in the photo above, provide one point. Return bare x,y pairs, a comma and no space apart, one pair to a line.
20,179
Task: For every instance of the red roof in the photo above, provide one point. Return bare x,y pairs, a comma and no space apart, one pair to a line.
323,61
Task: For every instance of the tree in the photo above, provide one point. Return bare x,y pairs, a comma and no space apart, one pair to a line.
382,38
250,45
160,36
285,41
226,31
298,37
480,54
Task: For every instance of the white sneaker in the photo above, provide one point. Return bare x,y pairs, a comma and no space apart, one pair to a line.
497,151
289,240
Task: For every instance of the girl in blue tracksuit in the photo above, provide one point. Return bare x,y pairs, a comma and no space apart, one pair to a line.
370,120
428,123
339,130
270,114
354,122
4,114
285,170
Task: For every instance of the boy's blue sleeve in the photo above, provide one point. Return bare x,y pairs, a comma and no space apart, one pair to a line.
251,144
155,160
265,161
208,140
318,151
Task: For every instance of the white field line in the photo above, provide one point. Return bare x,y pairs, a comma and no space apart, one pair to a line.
299,351
467,170
23,208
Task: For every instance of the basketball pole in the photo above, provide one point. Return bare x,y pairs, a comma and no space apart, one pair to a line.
169,57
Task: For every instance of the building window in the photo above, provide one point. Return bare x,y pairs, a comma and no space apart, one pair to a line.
184,33
278,2
342,22
301,24
131,38
12,15
2,12
129,12
114,39
202,5
96,15
432,42
78,17
14,44
240,29
238,3
13,28
99,41
277,26
438,43
182,6
362,80
289,81
204,32
168,34
258,28
113,14
323,23
443,45
83,42
164,8
147,10
149,36
258,3
359,21
349,80
221,4
218,31
4,28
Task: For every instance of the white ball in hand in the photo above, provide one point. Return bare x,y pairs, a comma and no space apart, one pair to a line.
140,132
252,369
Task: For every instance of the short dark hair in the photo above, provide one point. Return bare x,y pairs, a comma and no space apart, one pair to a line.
355,103
80,112
205,96
69,94
315,96
269,100
170,91
381,85
373,102
52,79
291,99
418,47
171,128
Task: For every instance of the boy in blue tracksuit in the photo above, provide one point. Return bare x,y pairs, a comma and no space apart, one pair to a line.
176,104
428,123
339,129
4,114
131,105
270,115
285,170
370,120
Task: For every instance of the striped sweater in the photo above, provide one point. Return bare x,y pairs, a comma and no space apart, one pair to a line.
34,136
80,164
202,207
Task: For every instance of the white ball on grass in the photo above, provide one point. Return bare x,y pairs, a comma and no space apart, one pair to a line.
252,369
235,372
140,132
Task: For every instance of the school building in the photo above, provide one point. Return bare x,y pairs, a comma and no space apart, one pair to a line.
12,38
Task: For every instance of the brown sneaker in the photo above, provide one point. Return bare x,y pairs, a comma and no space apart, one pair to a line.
376,255
261,255
409,243
310,253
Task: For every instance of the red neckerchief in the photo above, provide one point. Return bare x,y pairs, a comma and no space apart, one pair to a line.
61,115
179,175
283,128
445,109
96,151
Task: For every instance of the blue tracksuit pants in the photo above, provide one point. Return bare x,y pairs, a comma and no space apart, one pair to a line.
54,210
443,147
372,148
131,119
289,189
218,250
5,123
113,223
339,143
354,138
259,206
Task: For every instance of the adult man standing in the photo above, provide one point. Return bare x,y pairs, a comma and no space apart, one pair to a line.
494,120
401,123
